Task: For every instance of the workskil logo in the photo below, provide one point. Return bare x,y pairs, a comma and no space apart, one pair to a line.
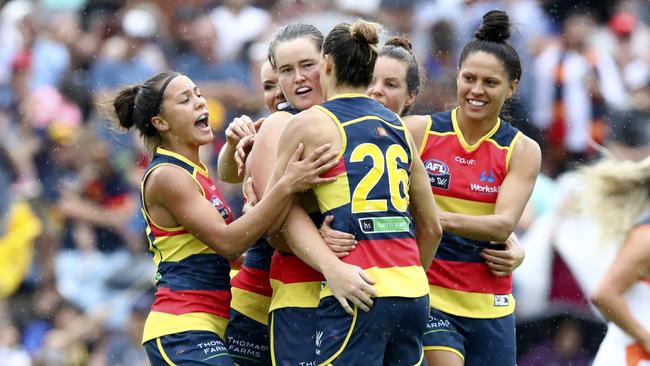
487,176
438,173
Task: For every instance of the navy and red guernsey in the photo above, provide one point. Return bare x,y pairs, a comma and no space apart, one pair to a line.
192,280
466,179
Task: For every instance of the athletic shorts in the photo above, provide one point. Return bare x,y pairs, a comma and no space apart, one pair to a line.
192,348
293,336
247,340
389,334
477,341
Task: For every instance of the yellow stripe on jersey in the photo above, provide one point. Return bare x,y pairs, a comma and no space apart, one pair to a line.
410,282
159,324
436,133
512,148
344,139
178,247
461,138
294,295
423,144
469,304
333,194
497,145
458,205
252,305
375,118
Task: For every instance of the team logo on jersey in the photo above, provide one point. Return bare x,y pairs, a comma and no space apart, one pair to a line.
487,176
501,300
438,171
218,204
378,225
380,131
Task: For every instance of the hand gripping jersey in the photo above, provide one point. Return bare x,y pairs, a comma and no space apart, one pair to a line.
370,195
466,179
192,281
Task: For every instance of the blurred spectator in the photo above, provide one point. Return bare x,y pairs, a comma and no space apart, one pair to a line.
564,348
130,57
11,351
630,137
124,348
574,86
228,19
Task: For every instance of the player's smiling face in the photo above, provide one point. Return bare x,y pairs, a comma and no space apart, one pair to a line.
483,86
388,85
297,67
273,95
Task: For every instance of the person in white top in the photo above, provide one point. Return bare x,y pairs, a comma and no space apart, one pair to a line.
617,196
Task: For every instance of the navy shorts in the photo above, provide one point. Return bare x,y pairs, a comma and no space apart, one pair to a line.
389,334
293,336
480,342
247,340
188,348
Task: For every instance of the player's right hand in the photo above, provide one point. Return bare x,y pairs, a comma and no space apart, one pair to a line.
349,282
304,173
341,243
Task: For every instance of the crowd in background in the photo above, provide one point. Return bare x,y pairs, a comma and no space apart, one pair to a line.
75,272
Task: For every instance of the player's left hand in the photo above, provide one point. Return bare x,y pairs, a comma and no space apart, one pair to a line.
341,243
503,262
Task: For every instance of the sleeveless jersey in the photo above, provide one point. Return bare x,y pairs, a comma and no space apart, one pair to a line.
466,179
251,286
370,195
192,280
294,283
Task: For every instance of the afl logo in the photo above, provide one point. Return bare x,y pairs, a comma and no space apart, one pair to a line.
438,173
218,204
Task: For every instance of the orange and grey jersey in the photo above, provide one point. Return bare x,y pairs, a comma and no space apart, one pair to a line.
370,195
466,179
192,280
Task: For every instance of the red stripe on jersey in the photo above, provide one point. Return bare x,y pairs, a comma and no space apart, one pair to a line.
338,169
468,277
474,176
253,280
385,253
288,268
192,301
157,232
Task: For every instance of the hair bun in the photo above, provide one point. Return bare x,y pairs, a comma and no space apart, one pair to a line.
495,27
364,31
400,41
124,105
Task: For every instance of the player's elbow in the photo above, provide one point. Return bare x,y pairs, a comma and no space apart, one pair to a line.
600,297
